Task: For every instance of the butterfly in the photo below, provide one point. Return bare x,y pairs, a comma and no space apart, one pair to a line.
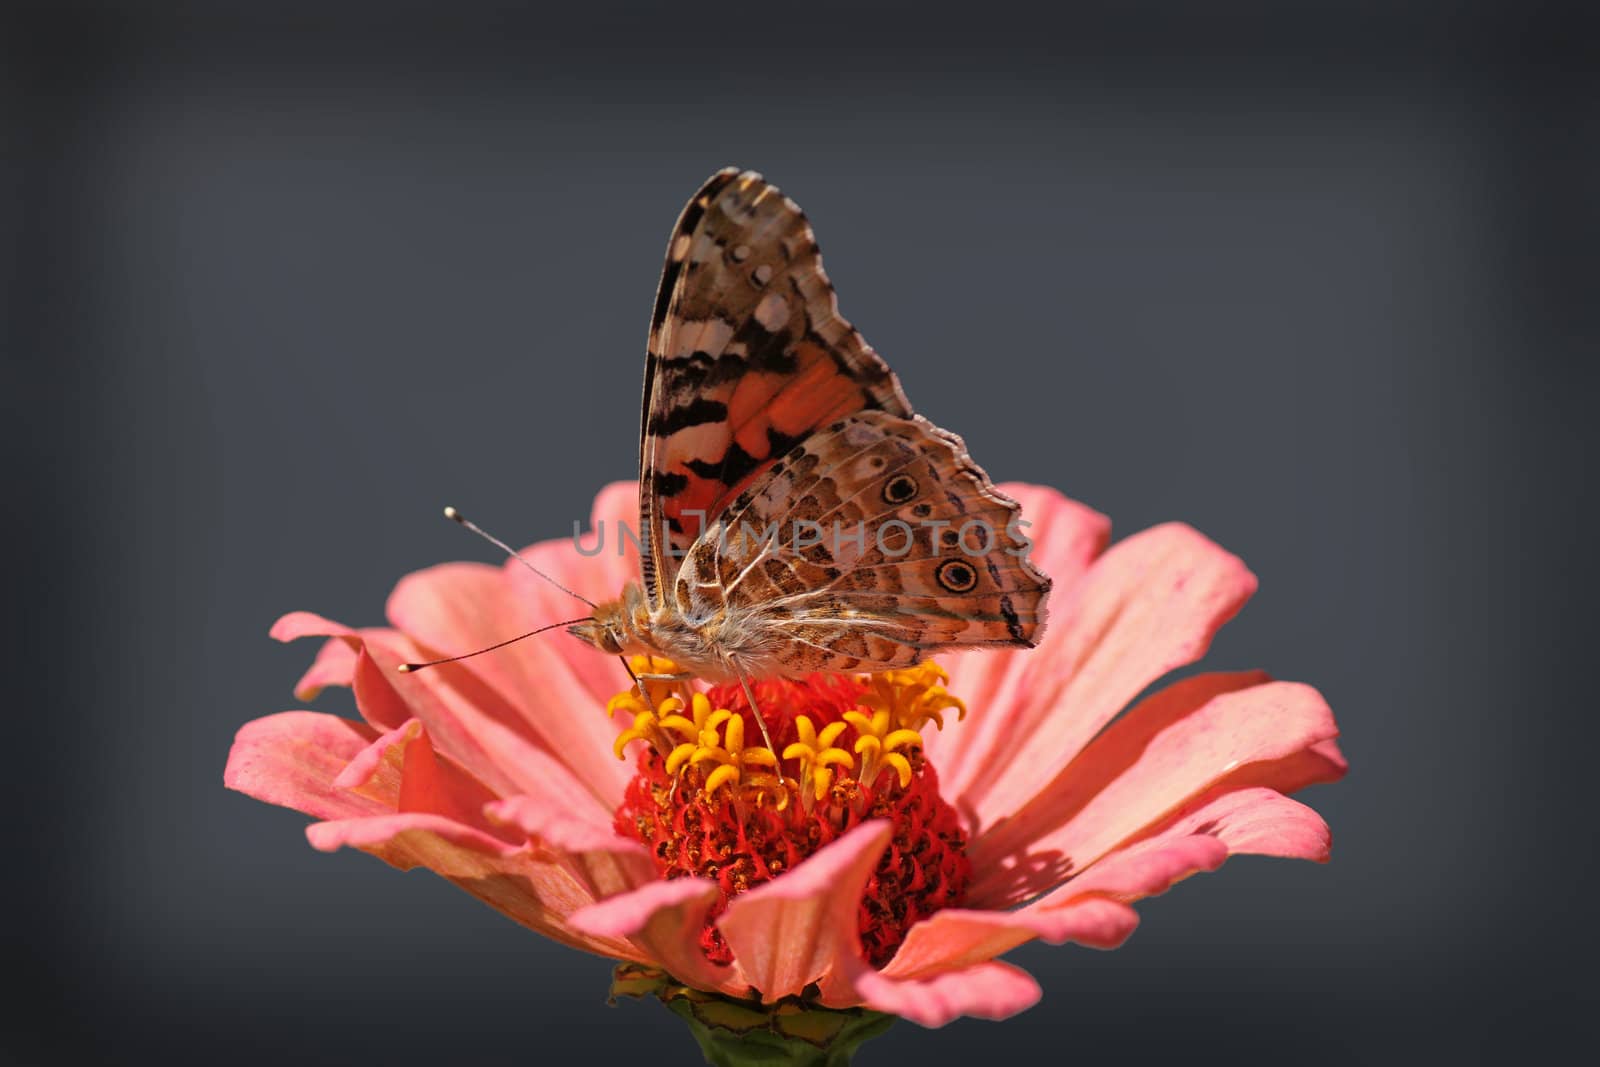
796,515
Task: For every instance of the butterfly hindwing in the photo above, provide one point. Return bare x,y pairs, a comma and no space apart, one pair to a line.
747,357
873,544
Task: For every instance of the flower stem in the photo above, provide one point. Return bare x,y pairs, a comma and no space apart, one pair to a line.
743,1033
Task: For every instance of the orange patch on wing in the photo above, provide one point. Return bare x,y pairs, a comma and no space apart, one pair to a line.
817,393
750,398
701,494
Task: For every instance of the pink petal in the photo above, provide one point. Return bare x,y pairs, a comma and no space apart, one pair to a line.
338,658
528,601
1151,763
608,863
376,770
294,758
402,771
527,689
599,577
1078,782
376,698
987,991
1067,538
465,719
958,937
1315,765
1151,604
540,892
663,920
1256,820
548,814
800,927
1146,869
413,839
602,575
1081,911
291,759
1092,908
298,624
335,665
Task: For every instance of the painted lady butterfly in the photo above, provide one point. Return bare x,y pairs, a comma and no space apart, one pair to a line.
797,516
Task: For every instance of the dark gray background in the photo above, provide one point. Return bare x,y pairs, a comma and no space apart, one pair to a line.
1318,279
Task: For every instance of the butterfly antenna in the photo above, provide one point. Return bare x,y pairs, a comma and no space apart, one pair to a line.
456,516
409,668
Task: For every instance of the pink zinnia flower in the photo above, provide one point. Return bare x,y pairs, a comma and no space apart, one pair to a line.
874,860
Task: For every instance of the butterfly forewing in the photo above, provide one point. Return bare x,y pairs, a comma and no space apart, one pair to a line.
747,357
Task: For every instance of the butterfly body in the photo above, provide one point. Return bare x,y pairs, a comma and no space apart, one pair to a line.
797,515
715,645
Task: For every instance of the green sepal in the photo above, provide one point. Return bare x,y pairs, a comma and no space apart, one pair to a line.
795,1032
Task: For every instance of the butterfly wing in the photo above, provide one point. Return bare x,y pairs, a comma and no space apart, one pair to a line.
747,356
873,544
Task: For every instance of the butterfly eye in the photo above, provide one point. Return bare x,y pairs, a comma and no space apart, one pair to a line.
899,489
613,639
956,576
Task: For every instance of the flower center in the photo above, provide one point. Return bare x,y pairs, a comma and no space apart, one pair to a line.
846,749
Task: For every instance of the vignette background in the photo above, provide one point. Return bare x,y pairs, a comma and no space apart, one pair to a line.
1317,278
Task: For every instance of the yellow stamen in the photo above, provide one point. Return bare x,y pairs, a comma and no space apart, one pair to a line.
816,753
679,757
645,728
901,739
735,765
727,774
659,688
692,737
901,765
879,743
914,696
687,727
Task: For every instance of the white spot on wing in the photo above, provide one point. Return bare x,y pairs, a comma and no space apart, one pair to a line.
702,335
773,312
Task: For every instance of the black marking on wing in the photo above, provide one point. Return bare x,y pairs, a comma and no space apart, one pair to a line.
692,214
699,370
737,464
696,412
1013,623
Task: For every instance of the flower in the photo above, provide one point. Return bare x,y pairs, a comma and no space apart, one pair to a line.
903,831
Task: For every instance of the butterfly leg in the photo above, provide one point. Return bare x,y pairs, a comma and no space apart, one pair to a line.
749,694
636,683
640,679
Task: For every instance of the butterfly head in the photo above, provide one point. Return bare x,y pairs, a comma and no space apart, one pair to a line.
604,631
616,625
